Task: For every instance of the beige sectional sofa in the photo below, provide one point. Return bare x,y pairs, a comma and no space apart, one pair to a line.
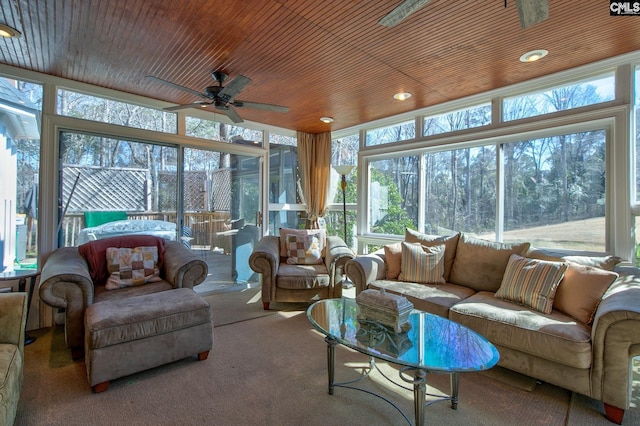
572,320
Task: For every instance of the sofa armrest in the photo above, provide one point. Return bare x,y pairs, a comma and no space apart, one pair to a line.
616,339
65,280
182,268
363,270
13,319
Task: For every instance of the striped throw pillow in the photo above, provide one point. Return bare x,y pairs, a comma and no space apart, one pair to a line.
421,264
531,282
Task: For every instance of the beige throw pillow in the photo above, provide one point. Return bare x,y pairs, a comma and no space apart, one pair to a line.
480,264
393,260
531,282
423,265
450,243
581,290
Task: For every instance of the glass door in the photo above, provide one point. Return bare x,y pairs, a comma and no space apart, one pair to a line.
222,218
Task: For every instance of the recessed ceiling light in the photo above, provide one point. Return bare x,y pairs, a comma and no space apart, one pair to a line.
534,55
326,119
7,31
402,96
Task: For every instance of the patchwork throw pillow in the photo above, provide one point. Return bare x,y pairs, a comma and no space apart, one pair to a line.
393,260
421,264
581,290
132,266
303,250
321,234
531,282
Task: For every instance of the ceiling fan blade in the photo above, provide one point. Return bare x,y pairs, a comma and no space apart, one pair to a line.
177,86
404,9
193,105
234,87
258,105
532,12
230,112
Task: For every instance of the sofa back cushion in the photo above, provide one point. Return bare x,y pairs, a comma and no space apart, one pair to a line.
450,243
95,253
480,264
597,260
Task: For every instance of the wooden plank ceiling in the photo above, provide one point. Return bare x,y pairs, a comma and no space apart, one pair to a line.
318,57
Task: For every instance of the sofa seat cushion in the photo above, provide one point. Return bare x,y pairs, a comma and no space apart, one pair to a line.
11,372
433,298
102,294
135,318
298,277
555,337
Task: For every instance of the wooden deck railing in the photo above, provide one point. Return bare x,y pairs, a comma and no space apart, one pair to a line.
205,227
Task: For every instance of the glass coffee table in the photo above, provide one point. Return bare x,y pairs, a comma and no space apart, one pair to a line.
427,343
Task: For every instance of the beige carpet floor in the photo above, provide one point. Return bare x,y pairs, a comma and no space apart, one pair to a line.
269,368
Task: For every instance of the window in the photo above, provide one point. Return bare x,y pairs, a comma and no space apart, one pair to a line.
99,173
80,105
20,107
213,130
460,188
393,195
458,120
590,92
389,134
555,191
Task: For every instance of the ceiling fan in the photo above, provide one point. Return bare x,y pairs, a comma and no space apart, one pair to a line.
221,97
530,11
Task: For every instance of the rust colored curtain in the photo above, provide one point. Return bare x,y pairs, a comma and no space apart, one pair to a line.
314,160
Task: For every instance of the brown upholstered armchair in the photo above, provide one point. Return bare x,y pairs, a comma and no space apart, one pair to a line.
285,282
74,278
13,318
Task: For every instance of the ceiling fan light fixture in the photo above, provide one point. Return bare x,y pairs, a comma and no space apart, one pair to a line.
326,119
402,96
534,55
9,32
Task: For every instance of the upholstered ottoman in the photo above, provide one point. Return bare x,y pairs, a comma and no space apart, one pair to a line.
129,335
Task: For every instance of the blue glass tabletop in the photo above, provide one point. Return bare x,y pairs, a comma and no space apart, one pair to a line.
426,341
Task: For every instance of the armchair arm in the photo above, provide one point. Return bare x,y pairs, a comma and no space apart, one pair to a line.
363,270
265,258
13,319
65,280
65,283
181,267
616,339
336,256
